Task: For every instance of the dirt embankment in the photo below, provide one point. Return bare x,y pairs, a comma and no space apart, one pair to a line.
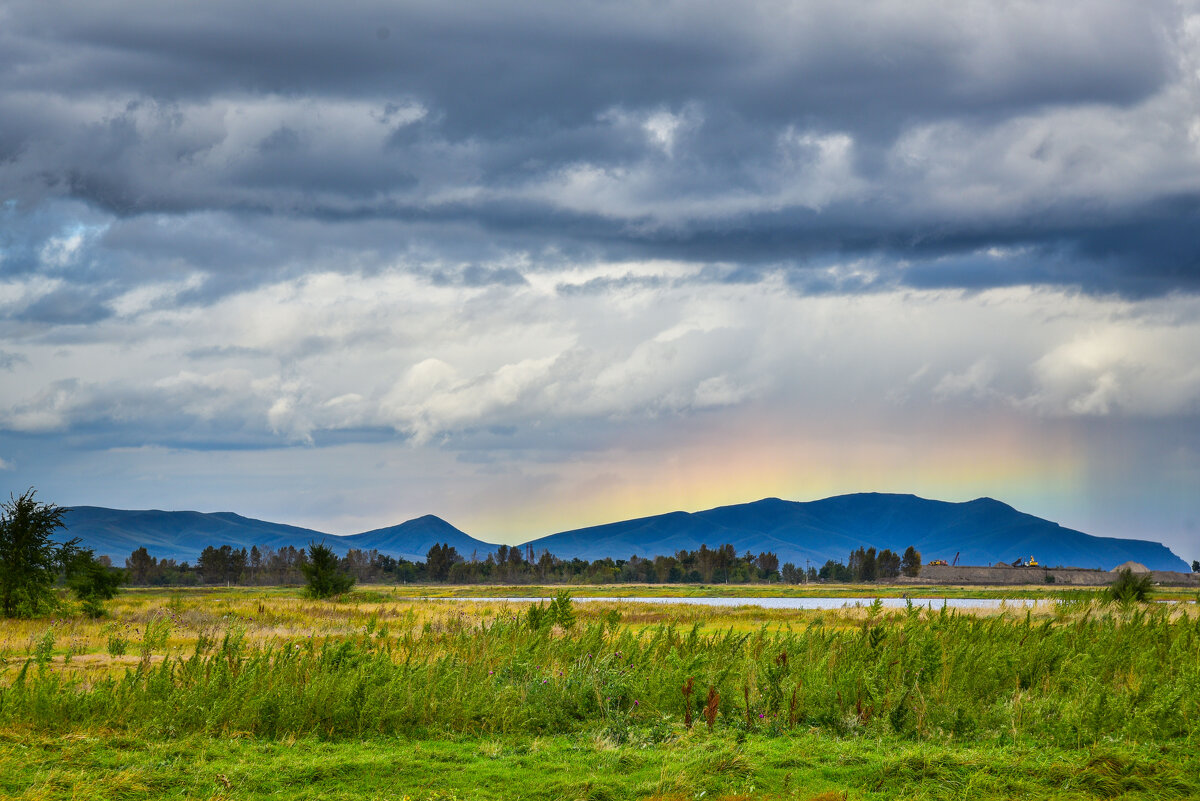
1070,576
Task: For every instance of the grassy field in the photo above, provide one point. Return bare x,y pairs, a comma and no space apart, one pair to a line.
802,766
247,693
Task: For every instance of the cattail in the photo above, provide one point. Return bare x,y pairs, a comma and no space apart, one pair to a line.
710,707
687,703
792,708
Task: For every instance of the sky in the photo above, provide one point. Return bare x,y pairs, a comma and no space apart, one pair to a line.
537,265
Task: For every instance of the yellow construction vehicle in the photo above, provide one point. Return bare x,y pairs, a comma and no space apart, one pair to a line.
1032,562
937,563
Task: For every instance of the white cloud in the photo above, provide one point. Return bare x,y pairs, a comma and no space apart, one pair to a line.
1053,158
718,391
1129,366
342,352
974,382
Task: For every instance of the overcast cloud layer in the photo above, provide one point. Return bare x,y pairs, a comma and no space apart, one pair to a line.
535,265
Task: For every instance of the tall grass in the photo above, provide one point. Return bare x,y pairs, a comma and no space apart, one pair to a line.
1088,677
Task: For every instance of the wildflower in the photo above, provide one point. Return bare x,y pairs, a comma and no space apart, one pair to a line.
635,703
761,716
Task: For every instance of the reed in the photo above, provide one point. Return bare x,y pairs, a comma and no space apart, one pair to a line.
1088,676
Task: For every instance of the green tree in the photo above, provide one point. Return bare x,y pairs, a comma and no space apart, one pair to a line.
862,564
835,571
211,563
140,566
441,558
324,573
910,563
29,559
887,564
92,581
767,564
726,555
1196,565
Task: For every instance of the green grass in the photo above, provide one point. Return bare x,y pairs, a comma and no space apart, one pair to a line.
916,673
801,766
245,693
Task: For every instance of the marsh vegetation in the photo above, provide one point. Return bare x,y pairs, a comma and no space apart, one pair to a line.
1073,699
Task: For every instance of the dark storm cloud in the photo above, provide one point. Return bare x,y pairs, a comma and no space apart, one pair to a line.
66,306
252,143
521,64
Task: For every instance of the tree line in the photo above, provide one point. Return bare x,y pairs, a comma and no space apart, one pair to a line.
511,565
865,564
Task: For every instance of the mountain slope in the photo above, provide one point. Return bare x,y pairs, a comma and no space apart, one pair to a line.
175,535
413,539
983,531
183,535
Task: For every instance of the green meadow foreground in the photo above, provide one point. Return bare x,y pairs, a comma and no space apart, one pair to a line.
256,693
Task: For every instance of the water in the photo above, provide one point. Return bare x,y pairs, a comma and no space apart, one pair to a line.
778,603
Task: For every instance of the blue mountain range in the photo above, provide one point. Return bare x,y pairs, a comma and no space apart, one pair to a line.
981,532
183,535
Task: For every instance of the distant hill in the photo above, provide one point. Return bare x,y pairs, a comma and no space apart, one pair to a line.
183,535
413,539
983,532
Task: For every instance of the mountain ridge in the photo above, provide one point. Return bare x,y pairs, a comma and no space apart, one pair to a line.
983,531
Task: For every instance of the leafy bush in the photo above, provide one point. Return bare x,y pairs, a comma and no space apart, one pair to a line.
1130,587
561,609
117,645
92,582
43,649
558,612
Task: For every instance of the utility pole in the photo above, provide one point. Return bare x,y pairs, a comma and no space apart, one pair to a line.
805,571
